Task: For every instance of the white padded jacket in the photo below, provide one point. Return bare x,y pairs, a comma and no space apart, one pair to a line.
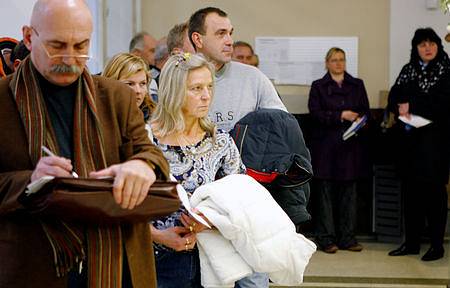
253,234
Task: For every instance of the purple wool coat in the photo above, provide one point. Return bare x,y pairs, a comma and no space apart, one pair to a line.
332,157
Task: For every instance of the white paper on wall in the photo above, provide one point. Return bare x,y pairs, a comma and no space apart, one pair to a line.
301,60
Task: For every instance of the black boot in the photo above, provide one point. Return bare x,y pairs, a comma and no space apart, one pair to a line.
404,250
434,253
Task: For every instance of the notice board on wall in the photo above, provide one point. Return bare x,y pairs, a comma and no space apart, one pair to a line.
301,60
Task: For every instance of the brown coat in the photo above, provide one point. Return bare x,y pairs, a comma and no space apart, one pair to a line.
26,258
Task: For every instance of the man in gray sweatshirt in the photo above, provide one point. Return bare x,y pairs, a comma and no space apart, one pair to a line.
240,88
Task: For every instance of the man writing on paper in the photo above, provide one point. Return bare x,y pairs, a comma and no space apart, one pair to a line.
94,126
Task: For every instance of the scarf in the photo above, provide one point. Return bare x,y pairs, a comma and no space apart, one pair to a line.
104,244
426,76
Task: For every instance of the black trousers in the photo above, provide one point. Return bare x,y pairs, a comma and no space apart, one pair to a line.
424,200
336,213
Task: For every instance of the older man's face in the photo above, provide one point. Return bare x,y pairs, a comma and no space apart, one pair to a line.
148,52
55,36
242,54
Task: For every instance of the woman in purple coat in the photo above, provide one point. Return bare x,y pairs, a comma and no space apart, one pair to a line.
335,101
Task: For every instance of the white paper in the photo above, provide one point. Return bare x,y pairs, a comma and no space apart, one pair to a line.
35,186
353,128
415,120
182,194
300,60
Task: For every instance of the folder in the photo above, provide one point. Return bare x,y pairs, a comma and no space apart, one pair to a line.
356,125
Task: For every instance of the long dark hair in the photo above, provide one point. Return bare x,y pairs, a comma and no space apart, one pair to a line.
425,34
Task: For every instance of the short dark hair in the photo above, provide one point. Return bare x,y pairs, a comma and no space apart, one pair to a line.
197,21
243,44
425,34
175,38
137,42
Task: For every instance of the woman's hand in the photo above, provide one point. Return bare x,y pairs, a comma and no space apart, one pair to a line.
192,225
177,238
349,115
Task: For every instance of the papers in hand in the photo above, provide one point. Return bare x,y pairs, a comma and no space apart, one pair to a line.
182,194
356,125
36,185
415,120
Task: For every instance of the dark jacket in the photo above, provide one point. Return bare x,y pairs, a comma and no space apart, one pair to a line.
332,157
272,148
26,258
424,153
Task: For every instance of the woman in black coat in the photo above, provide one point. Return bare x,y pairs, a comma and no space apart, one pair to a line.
335,101
423,89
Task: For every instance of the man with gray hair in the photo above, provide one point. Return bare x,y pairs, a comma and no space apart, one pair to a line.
143,44
178,40
161,56
161,53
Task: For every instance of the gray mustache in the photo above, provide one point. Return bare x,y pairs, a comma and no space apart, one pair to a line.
63,68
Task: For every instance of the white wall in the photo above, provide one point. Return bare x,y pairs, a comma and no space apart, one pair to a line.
15,14
366,19
406,17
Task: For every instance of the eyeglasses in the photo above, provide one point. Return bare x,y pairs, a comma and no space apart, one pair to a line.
79,57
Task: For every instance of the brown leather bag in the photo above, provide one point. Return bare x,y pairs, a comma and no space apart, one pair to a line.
89,200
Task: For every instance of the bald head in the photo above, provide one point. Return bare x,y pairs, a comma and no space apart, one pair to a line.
59,32
48,12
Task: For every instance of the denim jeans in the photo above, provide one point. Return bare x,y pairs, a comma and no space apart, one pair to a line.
177,269
335,222
256,280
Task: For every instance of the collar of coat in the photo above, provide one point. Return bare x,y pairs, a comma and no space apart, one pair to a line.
348,79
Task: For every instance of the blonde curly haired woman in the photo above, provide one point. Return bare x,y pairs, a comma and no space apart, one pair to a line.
133,71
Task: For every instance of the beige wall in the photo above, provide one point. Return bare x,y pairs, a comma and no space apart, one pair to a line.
366,19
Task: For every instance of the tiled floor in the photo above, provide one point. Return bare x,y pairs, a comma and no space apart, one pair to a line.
373,265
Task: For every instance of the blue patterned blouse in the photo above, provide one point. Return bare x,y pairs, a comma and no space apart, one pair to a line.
199,164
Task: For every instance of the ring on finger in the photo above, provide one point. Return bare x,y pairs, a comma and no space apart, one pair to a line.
191,228
187,241
186,247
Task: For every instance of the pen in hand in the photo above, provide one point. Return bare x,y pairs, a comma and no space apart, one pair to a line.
50,153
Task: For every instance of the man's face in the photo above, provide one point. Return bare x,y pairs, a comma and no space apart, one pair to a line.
148,53
242,54
217,43
6,52
58,37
